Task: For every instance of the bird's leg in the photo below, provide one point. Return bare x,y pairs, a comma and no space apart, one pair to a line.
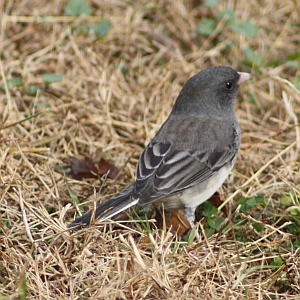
189,213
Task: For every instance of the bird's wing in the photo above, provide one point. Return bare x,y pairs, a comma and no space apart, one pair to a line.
164,171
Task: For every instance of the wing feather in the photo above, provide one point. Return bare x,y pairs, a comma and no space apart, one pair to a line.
162,170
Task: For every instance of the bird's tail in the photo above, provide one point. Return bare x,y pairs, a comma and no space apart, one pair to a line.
106,210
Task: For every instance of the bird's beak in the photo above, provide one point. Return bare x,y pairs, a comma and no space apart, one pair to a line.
243,77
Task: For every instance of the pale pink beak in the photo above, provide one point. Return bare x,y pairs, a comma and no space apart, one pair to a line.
243,77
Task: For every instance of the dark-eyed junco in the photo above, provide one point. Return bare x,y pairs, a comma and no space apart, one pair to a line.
191,155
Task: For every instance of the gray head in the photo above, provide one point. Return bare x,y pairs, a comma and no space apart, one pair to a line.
211,91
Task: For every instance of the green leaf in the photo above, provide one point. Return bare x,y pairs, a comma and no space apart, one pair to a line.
294,212
219,222
33,90
294,56
277,261
258,227
242,200
206,27
251,98
251,202
101,29
252,58
293,229
209,232
248,203
259,199
77,8
51,78
296,244
215,223
228,16
208,209
14,82
246,28
210,3
211,223
285,200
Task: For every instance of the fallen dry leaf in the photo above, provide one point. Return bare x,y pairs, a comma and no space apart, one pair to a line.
83,168
88,169
105,167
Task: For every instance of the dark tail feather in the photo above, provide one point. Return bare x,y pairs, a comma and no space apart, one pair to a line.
106,210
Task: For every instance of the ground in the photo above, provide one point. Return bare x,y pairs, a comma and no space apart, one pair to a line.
96,79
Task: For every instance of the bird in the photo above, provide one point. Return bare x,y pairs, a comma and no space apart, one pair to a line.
192,153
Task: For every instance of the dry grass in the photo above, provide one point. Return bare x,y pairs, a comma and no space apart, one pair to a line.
100,110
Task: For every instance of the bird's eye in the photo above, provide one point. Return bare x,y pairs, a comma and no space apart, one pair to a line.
228,85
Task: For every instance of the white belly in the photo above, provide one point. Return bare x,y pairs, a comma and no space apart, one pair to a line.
197,194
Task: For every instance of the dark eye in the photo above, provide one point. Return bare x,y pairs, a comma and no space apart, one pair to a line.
228,85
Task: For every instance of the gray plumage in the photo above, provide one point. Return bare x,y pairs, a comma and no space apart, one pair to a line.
191,155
